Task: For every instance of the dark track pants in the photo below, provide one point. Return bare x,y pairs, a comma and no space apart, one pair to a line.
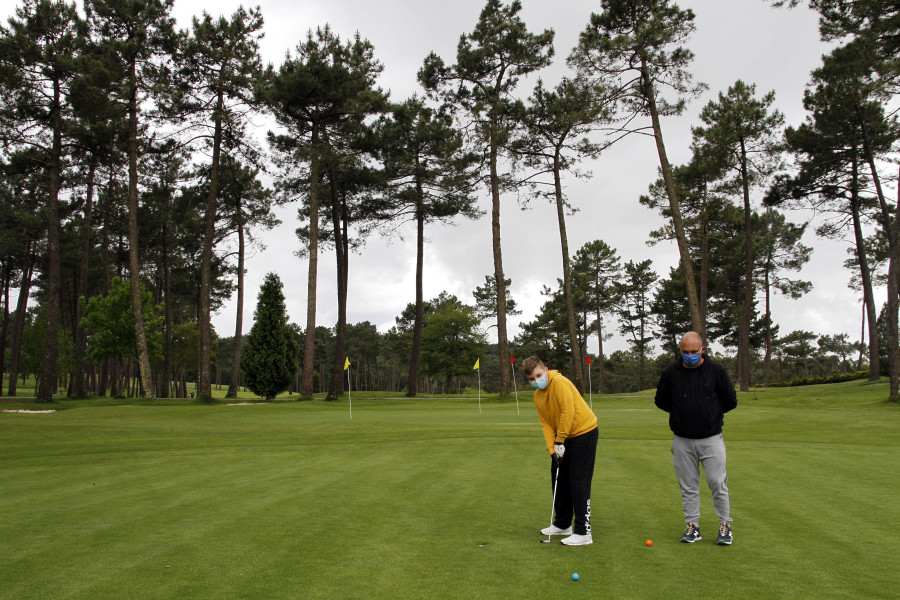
573,492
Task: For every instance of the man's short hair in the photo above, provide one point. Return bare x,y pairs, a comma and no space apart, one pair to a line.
531,363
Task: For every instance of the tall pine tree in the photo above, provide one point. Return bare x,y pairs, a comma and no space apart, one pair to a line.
554,140
37,65
489,63
219,64
741,130
635,46
429,179
134,38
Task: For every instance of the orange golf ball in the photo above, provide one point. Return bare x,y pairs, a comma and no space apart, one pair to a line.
649,542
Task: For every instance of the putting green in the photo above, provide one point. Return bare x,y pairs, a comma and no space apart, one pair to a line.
431,499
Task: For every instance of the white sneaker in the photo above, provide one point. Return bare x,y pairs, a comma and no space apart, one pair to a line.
554,530
578,540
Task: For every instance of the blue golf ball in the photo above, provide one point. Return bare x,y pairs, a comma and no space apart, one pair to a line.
574,576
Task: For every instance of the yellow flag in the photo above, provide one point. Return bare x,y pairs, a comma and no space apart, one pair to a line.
476,364
346,363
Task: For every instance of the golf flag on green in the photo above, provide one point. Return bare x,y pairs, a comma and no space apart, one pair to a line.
477,367
349,392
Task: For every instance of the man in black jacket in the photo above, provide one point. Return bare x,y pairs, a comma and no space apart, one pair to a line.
696,392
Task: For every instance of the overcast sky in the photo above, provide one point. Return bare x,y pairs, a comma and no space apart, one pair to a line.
735,39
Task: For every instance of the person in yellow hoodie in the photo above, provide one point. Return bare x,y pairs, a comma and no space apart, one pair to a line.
570,432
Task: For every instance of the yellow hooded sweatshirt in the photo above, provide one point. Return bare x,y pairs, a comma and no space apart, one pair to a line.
562,411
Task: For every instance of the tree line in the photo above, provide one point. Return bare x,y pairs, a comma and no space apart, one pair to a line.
133,190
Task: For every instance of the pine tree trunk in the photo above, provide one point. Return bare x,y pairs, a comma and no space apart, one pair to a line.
341,248
134,274
502,343
767,360
15,344
674,206
704,262
641,358
7,276
893,333
747,308
103,378
47,385
106,215
309,341
420,310
874,355
204,387
870,160
234,382
893,284
165,389
578,379
114,388
78,376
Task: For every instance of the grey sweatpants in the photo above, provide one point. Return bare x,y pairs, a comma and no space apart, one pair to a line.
688,455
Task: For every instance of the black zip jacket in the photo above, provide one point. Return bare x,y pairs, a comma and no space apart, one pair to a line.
696,399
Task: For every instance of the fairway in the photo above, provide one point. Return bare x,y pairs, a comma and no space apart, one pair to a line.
431,499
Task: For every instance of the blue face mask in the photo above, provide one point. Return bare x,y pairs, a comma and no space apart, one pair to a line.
540,383
691,360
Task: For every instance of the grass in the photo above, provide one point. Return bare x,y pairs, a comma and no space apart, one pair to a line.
431,499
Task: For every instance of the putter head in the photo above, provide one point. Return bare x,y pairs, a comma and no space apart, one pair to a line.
546,541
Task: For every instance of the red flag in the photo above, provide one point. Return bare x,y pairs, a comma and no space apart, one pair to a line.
512,359
588,360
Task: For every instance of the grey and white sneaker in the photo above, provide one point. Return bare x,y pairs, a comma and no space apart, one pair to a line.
725,537
554,530
578,540
691,534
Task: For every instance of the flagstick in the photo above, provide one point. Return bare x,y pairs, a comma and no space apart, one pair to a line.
479,391
349,394
515,387
590,392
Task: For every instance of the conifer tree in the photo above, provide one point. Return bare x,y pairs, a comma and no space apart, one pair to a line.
636,292
135,37
22,182
219,64
317,96
869,64
833,148
269,358
597,268
741,131
635,46
780,249
489,63
429,179
246,203
37,65
553,141
99,131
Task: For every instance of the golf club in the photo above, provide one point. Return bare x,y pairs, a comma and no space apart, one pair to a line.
553,503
